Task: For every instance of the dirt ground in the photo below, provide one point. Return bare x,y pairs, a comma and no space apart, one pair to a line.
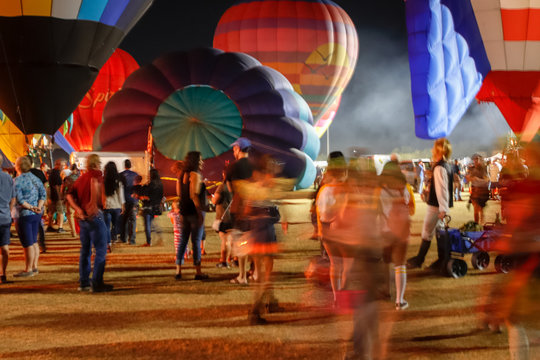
149,315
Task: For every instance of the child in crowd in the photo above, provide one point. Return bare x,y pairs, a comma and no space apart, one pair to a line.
176,220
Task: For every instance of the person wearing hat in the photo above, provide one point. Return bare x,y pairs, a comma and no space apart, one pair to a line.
241,169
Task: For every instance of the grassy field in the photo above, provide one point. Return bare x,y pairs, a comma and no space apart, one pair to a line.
149,315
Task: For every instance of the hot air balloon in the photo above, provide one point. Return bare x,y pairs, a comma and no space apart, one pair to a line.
88,115
204,100
312,42
459,50
447,62
511,35
51,52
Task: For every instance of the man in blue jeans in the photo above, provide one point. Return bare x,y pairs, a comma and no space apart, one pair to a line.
129,216
85,197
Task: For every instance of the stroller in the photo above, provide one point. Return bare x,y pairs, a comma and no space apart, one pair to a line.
453,244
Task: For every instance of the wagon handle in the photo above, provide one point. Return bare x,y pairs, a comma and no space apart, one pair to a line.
446,220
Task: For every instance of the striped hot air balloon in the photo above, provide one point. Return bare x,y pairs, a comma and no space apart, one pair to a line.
51,52
312,42
459,50
511,36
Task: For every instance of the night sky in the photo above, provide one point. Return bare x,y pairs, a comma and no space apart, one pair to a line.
376,108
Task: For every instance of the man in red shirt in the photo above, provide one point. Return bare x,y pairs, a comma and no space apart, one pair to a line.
85,197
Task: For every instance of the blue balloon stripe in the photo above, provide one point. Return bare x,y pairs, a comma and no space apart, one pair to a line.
92,9
113,11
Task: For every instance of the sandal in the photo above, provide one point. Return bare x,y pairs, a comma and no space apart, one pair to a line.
238,282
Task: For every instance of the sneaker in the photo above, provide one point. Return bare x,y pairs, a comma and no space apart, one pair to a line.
24,274
178,277
402,306
3,279
84,288
51,229
35,271
102,288
222,265
201,276
146,245
60,230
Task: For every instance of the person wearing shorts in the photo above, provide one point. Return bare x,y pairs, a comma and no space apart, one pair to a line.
31,195
7,202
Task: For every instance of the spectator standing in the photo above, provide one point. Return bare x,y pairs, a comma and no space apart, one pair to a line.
56,201
189,189
31,196
457,180
114,203
151,194
439,201
85,198
7,202
494,170
222,199
66,187
421,170
477,177
41,174
129,216
241,169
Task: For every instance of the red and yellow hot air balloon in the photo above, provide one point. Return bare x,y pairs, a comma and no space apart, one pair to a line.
88,115
511,35
312,42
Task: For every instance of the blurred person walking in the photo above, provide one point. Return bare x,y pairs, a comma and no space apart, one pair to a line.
128,226
8,200
258,193
395,210
31,197
329,202
151,195
439,202
86,198
189,186
114,203
514,300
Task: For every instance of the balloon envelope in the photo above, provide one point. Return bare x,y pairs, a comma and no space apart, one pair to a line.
312,42
52,51
89,114
203,100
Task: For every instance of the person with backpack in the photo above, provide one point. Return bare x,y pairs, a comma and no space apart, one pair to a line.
439,200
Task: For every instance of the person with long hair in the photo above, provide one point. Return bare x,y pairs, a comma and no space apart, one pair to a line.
31,196
151,195
189,190
114,203
439,202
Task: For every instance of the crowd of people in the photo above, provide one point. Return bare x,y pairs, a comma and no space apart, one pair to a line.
362,220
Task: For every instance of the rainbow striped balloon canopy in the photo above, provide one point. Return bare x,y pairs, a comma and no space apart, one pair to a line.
312,42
